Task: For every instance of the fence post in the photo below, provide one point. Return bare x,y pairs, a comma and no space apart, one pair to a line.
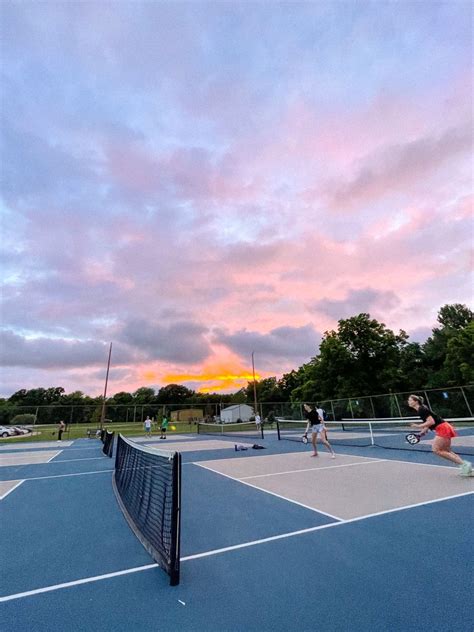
350,406
427,399
466,400
373,407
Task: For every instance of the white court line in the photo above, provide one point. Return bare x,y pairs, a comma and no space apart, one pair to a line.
87,458
77,582
266,491
48,461
312,469
10,490
244,545
40,478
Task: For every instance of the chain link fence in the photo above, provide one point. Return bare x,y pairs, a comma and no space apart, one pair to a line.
452,402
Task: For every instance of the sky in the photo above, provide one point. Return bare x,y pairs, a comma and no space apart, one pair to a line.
197,181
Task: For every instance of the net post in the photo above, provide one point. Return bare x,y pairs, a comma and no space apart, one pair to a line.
176,522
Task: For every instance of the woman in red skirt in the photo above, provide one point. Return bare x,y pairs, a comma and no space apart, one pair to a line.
444,433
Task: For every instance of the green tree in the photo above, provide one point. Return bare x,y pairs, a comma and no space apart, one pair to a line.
360,358
412,368
456,316
267,390
174,394
123,398
439,359
144,395
287,384
458,367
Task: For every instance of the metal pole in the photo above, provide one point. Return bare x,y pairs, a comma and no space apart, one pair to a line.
466,400
254,385
102,415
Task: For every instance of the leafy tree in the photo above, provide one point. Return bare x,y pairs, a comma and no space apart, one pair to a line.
144,395
174,394
455,316
360,358
122,398
240,397
458,367
267,391
288,382
454,319
412,369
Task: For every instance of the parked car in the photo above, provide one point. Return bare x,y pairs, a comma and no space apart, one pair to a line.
18,430
6,432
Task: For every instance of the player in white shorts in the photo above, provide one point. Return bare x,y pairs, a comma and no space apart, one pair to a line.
316,422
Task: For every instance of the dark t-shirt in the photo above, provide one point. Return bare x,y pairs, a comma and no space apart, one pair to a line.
313,417
425,412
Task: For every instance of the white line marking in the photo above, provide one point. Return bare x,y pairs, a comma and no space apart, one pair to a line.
312,469
40,478
10,490
320,527
266,491
77,582
138,569
89,458
49,460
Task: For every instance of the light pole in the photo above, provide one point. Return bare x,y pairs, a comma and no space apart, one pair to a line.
102,415
254,385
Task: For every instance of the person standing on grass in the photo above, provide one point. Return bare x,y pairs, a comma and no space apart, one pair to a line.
164,427
258,421
61,429
444,433
316,422
147,425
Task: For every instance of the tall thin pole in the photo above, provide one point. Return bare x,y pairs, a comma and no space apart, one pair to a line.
102,416
254,385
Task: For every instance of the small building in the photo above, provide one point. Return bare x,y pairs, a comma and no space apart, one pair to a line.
233,414
187,414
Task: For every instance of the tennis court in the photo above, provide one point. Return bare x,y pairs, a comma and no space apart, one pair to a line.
269,540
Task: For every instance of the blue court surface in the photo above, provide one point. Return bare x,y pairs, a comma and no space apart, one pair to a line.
373,540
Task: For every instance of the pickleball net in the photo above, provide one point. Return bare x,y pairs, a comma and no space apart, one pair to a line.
147,484
242,429
388,433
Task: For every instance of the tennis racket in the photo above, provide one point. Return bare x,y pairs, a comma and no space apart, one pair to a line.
304,438
413,438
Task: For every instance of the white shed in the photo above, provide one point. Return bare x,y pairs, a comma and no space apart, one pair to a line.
238,411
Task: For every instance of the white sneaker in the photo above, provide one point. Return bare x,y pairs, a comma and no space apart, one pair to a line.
466,468
333,456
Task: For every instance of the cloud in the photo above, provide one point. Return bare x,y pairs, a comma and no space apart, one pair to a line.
420,334
50,353
357,301
290,344
175,342
396,168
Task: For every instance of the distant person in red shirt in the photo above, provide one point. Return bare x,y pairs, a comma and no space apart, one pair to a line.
444,433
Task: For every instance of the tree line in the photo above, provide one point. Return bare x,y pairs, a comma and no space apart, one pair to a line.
361,357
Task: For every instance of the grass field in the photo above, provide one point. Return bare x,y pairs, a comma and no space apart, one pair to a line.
79,431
